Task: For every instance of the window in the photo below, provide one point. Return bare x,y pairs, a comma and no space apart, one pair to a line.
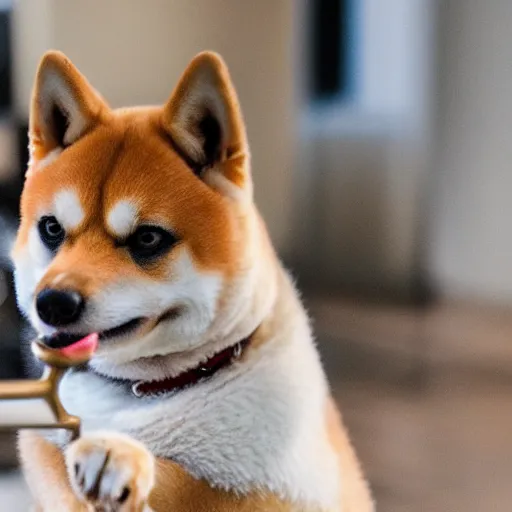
368,64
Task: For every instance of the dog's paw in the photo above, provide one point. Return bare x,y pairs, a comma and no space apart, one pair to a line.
111,472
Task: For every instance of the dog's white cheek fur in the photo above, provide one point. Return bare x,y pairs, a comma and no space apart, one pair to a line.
193,291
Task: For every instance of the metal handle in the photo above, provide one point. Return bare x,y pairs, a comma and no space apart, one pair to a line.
46,389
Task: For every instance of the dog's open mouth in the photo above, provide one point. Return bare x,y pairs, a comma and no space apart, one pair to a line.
67,340
74,344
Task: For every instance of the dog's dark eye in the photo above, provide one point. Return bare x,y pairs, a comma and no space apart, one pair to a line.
51,232
149,239
149,242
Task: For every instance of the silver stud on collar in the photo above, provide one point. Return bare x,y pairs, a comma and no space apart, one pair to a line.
135,389
237,351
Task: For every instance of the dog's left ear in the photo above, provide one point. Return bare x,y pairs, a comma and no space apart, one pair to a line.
205,124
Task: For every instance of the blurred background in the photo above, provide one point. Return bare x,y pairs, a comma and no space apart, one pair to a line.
379,131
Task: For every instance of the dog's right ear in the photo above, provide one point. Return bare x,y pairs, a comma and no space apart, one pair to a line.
64,106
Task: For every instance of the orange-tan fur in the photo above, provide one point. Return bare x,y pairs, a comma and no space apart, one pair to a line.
111,154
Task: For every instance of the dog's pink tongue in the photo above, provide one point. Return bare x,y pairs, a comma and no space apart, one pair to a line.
84,347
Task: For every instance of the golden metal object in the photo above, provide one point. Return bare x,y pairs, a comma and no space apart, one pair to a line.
46,389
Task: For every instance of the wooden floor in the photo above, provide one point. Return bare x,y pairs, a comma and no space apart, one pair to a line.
427,397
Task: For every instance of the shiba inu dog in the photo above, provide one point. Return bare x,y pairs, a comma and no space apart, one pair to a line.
206,392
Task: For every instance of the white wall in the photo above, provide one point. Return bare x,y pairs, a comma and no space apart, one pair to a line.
470,237
133,51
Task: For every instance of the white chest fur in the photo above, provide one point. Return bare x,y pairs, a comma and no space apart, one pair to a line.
256,425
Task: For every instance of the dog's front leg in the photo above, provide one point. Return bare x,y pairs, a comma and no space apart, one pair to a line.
111,472
46,475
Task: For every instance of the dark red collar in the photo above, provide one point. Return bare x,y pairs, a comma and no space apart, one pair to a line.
205,370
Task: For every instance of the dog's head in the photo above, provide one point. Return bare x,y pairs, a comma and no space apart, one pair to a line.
135,223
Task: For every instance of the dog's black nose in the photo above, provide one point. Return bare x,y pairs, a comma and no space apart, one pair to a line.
59,307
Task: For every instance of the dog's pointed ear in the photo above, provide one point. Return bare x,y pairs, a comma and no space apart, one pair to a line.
64,105
205,124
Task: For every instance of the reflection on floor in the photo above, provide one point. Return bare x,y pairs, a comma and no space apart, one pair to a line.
425,395
427,399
